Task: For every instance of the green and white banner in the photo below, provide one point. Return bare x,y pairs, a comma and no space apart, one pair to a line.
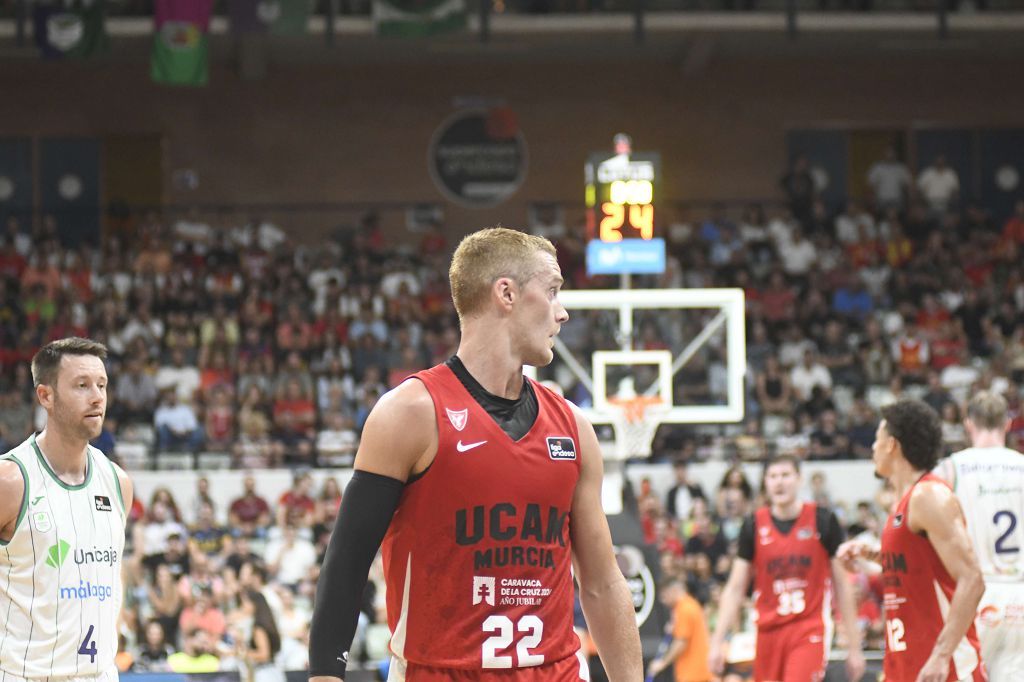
411,18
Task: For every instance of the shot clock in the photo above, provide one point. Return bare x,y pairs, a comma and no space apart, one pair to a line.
622,235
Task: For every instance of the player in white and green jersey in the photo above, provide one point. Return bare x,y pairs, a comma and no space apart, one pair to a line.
988,478
62,518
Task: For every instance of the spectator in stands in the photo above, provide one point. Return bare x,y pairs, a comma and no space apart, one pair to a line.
329,500
254,449
837,356
946,346
178,375
165,602
219,421
197,654
250,511
798,255
293,624
15,417
798,185
853,223
794,344
939,185
778,300
774,391
242,554
296,505
151,655
827,442
215,373
203,614
290,558
177,427
808,374
890,182
958,378
1013,230
680,497
294,369
954,436
264,641
852,299
707,539
136,393
336,443
861,429
910,351
209,538
294,332
294,425
793,441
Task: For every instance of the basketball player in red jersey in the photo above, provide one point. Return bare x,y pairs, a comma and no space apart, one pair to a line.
790,546
931,576
485,489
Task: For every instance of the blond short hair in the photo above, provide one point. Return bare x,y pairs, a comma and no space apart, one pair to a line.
488,255
988,410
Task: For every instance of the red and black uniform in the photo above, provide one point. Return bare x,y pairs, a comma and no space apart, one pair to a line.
917,593
477,557
792,567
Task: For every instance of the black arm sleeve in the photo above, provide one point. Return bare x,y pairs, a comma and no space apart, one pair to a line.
830,531
369,503
745,545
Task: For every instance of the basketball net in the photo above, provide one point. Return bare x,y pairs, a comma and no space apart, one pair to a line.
634,434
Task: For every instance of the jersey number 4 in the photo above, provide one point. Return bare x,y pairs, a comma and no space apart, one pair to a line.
88,645
502,626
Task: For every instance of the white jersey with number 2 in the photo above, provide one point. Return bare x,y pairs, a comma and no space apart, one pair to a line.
990,485
60,574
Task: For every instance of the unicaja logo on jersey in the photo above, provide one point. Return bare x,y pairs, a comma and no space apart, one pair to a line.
57,553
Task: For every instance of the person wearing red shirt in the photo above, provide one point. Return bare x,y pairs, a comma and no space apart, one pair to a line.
482,489
788,548
295,424
931,576
250,511
1013,230
296,504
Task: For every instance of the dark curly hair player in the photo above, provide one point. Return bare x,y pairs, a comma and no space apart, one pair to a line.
931,577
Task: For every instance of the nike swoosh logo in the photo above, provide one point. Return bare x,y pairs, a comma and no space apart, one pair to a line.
468,446
36,500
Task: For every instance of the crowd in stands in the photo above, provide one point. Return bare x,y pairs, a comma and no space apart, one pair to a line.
211,589
238,340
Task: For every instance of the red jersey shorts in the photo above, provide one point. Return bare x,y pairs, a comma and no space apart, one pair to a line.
569,669
791,653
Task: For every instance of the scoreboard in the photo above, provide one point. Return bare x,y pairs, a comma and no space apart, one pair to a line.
622,234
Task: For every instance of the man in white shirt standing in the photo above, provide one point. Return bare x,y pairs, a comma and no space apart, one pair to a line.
989,480
939,185
889,180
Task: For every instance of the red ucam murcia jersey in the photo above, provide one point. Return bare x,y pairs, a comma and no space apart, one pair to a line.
792,571
916,597
477,557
